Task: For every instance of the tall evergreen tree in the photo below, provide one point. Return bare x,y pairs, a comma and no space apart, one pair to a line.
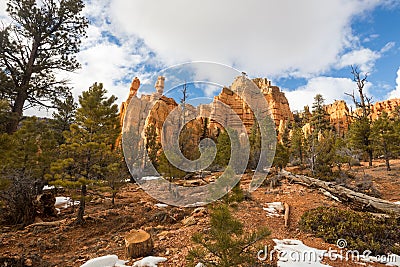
223,149
319,124
89,150
297,148
359,136
43,37
152,145
385,138
64,116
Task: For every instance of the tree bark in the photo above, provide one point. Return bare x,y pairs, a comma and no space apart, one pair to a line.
82,204
347,196
387,161
370,156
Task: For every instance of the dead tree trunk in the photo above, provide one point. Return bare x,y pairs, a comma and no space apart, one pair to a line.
347,196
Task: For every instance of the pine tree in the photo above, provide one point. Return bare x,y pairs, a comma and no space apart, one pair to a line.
318,120
64,116
255,146
152,145
297,143
359,136
385,138
31,149
43,37
319,125
166,169
225,244
25,158
223,149
88,152
281,156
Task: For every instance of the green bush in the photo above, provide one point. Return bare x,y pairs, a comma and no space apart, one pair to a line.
361,230
226,243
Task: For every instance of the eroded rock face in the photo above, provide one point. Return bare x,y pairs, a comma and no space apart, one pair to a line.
388,106
277,102
339,116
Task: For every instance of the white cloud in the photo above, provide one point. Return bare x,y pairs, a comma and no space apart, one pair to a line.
330,88
107,63
3,7
396,93
364,58
261,37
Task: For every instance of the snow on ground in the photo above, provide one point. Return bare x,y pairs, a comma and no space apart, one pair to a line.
274,209
64,202
105,261
150,178
397,202
161,205
149,261
48,187
293,253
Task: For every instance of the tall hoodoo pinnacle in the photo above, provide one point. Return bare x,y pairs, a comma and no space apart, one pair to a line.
160,85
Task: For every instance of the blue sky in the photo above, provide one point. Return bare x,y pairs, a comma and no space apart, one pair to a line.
304,47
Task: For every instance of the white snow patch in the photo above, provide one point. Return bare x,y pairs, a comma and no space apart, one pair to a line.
64,202
196,204
397,202
161,205
293,253
274,209
149,261
199,264
48,187
105,261
150,178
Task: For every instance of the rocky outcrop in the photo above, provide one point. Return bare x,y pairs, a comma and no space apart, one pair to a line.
277,102
132,93
230,99
389,106
339,116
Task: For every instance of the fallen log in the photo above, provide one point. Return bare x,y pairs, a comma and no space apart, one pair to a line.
46,224
345,195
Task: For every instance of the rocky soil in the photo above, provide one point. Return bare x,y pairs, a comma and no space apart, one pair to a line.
67,244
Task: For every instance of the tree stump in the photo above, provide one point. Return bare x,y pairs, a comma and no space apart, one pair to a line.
138,243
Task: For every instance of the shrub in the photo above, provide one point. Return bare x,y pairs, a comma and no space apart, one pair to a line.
361,230
225,244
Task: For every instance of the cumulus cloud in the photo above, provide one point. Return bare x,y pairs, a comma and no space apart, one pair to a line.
261,37
272,38
330,88
396,93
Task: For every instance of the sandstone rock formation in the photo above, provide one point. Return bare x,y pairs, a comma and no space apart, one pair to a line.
277,102
389,106
278,105
132,93
339,116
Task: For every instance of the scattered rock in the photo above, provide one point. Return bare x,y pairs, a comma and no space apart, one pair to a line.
189,221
